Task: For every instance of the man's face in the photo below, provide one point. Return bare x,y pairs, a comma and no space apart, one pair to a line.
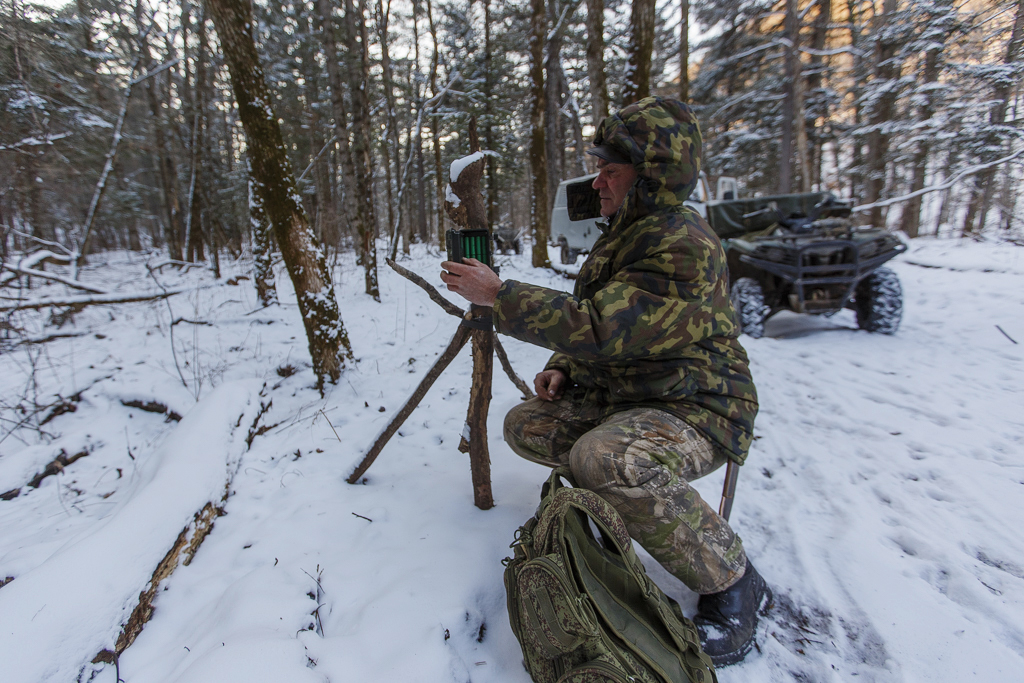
612,183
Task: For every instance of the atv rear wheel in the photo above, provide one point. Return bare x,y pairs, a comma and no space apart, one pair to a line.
879,302
748,300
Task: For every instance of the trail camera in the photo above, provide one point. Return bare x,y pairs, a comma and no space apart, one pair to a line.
469,243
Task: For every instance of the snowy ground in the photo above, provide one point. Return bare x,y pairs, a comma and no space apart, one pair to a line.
881,500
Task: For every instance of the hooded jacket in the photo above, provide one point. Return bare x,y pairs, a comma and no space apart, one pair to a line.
649,322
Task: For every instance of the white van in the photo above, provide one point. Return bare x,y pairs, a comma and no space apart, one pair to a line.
576,215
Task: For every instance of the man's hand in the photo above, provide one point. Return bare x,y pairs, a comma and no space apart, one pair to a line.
550,384
472,280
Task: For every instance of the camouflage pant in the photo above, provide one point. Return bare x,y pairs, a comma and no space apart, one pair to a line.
640,461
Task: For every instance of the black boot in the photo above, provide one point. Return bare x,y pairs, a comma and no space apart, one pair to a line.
727,620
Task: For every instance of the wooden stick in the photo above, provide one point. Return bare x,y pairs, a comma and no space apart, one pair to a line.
732,472
476,417
434,295
507,367
454,346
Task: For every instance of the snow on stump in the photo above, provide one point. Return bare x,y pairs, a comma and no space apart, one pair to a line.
95,593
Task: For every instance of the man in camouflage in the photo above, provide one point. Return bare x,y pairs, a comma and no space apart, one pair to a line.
648,388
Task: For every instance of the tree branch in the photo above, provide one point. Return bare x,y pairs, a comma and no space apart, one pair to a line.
434,295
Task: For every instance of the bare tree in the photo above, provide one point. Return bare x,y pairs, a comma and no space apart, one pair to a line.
684,50
329,346
359,83
595,60
984,182
641,44
540,215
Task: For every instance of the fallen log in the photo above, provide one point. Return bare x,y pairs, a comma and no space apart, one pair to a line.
91,598
31,272
78,303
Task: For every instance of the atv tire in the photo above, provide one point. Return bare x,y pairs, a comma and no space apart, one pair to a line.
748,300
879,302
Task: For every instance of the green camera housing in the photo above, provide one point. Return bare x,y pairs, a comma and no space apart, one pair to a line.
469,243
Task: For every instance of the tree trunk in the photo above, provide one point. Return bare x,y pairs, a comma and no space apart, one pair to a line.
910,221
881,112
491,193
540,216
684,51
262,243
595,61
329,346
336,80
641,45
553,138
435,129
981,192
359,84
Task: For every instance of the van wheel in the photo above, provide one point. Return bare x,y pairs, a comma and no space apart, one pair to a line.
748,300
569,255
879,302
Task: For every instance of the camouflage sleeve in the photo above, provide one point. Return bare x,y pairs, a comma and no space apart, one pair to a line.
648,308
558,361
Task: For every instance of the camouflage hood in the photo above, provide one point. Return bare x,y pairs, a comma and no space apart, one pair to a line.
662,140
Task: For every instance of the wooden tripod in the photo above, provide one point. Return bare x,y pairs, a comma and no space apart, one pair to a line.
475,325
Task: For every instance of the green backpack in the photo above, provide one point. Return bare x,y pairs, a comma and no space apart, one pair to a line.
584,609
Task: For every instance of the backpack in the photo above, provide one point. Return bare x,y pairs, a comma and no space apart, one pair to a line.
582,606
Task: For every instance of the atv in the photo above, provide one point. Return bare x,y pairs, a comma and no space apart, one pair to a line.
803,253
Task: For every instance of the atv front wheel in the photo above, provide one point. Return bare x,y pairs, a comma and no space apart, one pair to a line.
879,302
748,300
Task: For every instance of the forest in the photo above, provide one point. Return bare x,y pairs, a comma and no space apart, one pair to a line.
221,222
121,130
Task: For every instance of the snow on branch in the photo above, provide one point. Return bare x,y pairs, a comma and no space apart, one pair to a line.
30,272
970,170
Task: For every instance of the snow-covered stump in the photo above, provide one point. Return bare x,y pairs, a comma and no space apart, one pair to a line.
89,601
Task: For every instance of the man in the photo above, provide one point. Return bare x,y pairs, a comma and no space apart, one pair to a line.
648,388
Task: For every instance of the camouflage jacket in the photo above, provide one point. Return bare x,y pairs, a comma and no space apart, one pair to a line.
649,322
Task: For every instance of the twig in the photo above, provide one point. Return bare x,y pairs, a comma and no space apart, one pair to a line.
331,425
503,357
1006,335
361,517
174,353
431,291
334,138
191,322
456,344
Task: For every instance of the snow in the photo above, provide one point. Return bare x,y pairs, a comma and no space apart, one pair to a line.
75,601
459,165
881,500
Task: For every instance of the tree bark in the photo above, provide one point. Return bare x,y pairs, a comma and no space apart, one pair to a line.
981,192
595,61
881,112
359,84
684,51
329,346
262,241
165,162
910,220
540,216
553,137
336,81
641,45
